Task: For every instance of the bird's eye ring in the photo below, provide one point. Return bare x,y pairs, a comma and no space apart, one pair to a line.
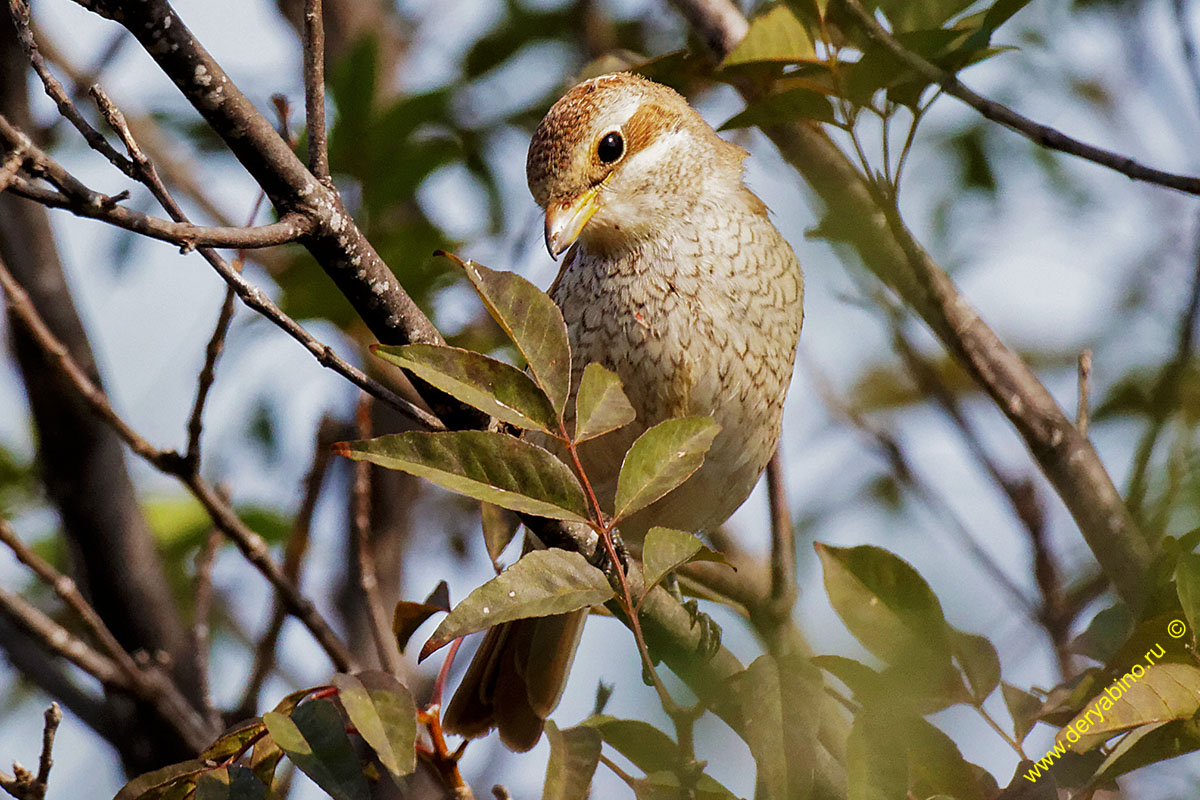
610,148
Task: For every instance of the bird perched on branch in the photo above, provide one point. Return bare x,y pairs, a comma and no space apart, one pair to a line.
676,280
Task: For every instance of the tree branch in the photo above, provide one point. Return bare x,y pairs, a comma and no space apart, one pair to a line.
368,577
1037,133
58,640
314,90
94,205
337,243
151,685
253,547
24,785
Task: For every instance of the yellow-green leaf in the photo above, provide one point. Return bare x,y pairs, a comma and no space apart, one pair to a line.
541,583
661,459
600,404
488,466
495,388
774,35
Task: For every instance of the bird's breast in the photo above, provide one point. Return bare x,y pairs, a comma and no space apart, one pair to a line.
702,321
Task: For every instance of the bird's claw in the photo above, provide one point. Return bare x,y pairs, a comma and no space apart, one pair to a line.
710,631
601,560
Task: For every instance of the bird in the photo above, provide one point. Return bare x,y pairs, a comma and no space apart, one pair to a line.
676,279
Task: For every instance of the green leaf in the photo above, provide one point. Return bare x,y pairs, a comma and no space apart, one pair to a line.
893,754
264,758
541,583
906,15
867,685
666,786
495,388
1187,584
1105,634
492,467
153,784
661,459
533,322
385,716
574,754
314,738
230,783
600,404
648,748
233,741
1160,692
666,549
1022,707
876,763
774,35
978,660
886,605
780,107
772,704
1149,744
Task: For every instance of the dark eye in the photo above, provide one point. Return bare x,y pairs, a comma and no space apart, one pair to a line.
610,148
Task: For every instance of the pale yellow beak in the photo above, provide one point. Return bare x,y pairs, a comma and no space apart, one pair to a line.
566,220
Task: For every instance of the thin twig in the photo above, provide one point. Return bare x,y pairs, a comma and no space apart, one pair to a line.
150,685
314,90
338,244
249,294
60,641
287,229
293,560
201,613
52,717
1037,133
1082,407
368,580
250,543
212,352
84,202
20,15
208,372
23,784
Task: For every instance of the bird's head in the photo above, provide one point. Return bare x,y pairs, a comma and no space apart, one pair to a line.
618,157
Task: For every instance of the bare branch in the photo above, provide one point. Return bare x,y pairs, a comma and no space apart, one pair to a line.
250,543
314,90
380,623
207,374
94,205
22,784
1085,384
338,245
20,16
293,559
153,686
201,611
1037,133
59,640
